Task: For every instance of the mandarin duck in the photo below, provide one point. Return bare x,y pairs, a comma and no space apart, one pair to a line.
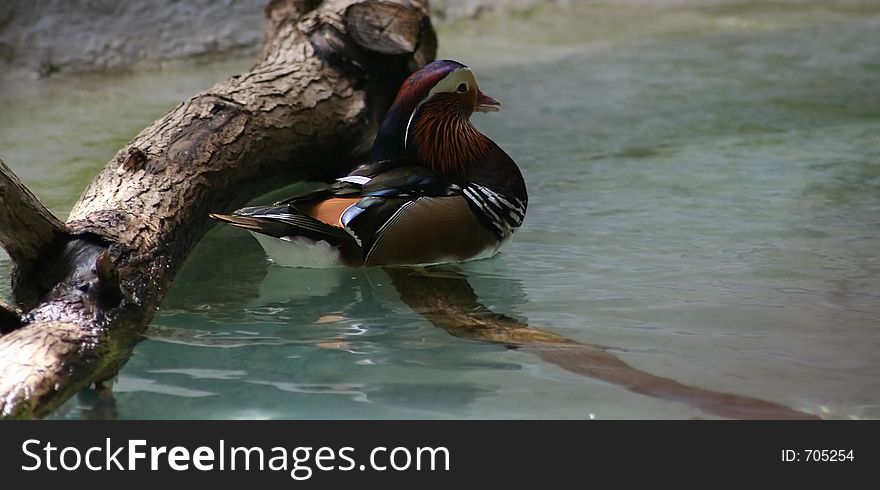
435,189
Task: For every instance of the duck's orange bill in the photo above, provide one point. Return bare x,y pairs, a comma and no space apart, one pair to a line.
486,103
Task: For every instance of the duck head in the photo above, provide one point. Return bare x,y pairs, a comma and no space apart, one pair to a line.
430,119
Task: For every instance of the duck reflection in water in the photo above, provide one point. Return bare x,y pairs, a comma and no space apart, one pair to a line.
366,298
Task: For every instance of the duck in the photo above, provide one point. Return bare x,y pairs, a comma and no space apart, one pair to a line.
433,190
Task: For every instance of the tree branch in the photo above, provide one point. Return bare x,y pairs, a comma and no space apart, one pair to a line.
304,111
28,232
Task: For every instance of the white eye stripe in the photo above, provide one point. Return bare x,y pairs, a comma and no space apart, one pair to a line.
449,84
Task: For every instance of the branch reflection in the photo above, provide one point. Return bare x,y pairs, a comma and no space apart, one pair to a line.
446,299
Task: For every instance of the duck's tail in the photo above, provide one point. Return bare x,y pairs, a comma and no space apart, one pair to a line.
246,222
285,223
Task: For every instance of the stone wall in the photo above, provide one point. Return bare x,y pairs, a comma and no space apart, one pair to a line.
42,37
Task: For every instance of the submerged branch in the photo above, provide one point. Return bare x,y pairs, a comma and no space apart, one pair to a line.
449,302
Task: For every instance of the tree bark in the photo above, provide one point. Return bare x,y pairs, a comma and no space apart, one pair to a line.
326,73
28,231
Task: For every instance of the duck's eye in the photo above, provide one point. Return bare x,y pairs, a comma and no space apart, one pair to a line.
462,87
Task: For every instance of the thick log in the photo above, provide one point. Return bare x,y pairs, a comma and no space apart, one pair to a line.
304,111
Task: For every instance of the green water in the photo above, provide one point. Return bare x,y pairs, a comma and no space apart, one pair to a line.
704,201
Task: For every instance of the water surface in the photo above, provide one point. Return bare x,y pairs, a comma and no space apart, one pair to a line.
704,201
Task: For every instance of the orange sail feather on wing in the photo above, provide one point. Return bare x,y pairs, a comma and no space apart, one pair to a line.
328,211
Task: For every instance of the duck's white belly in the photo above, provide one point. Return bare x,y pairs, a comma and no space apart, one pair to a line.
307,253
300,252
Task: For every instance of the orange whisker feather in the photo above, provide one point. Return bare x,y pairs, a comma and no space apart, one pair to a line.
446,139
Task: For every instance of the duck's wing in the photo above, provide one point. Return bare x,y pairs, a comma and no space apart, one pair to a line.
412,215
325,213
388,177
385,213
